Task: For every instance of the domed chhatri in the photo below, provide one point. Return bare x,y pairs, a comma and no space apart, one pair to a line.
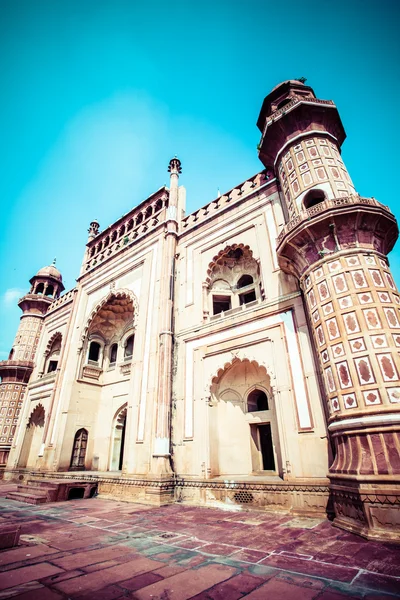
47,282
50,271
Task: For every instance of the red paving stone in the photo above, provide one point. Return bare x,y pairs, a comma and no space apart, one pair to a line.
26,574
180,552
99,579
277,589
181,587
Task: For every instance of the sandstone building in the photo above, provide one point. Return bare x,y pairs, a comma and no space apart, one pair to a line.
244,355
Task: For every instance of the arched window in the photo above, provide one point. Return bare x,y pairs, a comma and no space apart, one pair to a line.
39,288
244,281
122,231
139,218
94,352
158,206
283,103
113,354
313,197
50,290
114,235
53,353
130,225
257,400
129,347
233,280
149,212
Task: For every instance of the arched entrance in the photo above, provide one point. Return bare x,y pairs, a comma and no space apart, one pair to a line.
243,432
79,450
33,438
118,440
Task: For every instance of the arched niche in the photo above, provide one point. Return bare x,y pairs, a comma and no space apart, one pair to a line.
243,441
233,279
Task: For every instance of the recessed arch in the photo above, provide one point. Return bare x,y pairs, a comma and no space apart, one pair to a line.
114,294
231,253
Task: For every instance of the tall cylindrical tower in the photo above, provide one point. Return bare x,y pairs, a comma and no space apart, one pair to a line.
335,242
15,372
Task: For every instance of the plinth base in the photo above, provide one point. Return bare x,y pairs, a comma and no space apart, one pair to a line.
370,509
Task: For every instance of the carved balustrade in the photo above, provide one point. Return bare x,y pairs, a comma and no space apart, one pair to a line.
223,201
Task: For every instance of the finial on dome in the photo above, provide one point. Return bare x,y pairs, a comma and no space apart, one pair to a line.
54,262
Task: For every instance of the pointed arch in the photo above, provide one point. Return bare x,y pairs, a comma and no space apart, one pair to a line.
232,253
228,365
121,293
56,337
37,416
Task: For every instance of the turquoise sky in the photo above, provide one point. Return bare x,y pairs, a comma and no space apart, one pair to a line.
97,96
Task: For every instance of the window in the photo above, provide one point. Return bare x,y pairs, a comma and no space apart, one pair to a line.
221,304
113,354
50,290
79,450
250,294
257,400
129,347
52,366
94,352
244,281
283,103
313,197
40,288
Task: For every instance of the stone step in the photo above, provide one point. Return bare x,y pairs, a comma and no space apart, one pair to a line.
27,498
39,483
29,489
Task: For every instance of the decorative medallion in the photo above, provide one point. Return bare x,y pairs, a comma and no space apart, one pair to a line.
372,397
344,375
364,370
350,401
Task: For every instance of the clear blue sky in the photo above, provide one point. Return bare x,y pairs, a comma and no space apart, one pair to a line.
98,95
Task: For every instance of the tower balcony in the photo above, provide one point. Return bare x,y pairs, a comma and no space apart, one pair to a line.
16,370
333,225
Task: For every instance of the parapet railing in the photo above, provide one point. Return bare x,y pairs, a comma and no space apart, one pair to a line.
64,299
293,102
230,197
307,215
126,230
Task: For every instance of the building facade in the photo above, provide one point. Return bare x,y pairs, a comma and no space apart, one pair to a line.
244,355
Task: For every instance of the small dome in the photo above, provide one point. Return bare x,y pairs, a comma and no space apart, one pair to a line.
50,271
293,81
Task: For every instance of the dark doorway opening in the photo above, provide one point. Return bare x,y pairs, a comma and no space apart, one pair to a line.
267,451
76,493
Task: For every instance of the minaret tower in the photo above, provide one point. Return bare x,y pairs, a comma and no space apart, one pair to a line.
15,372
335,243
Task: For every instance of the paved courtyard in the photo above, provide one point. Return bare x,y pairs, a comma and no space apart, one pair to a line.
106,549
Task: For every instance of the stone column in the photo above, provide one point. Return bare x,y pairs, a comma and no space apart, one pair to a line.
161,451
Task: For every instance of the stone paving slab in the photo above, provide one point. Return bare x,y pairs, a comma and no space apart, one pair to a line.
106,549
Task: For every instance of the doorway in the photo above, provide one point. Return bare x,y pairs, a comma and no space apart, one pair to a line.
118,441
79,450
33,438
267,452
